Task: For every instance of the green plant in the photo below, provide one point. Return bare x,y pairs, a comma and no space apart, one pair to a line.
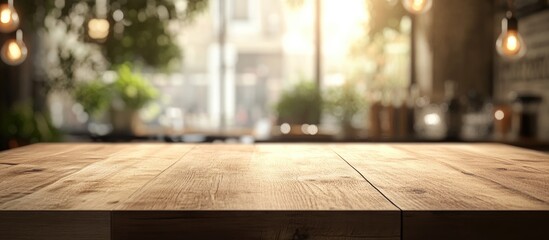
344,102
300,104
144,35
94,96
132,88
20,125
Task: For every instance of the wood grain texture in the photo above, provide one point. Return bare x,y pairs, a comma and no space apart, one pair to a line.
230,190
55,225
94,177
266,191
258,177
428,177
42,165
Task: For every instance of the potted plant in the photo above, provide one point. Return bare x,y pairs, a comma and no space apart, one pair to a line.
122,98
344,103
299,105
21,125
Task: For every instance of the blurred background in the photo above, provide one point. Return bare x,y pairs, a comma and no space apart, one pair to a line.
274,71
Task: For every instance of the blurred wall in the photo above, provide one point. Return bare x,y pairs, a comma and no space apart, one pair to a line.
530,74
455,41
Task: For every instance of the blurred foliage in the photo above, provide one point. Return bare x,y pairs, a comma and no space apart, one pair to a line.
129,88
22,124
94,96
385,17
300,104
384,14
132,88
344,102
381,56
148,35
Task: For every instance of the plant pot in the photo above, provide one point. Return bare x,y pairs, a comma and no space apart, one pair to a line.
123,121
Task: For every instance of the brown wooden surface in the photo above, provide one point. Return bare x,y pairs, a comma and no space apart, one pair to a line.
473,225
257,225
453,176
266,191
184,177
55,225
444,190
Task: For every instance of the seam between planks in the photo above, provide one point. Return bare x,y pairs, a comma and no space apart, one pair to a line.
368,181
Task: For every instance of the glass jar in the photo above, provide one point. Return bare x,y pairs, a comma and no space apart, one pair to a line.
525,116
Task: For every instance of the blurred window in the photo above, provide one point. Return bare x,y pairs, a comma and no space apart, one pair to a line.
268,47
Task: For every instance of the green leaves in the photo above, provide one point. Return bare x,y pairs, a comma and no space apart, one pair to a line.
21,122
344,102
94,96
301,104
131,88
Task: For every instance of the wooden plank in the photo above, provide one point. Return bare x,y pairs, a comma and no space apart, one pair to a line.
260,177
419,177
42,166
48,225
33,152
443,189
521,171
247,183
104,183
205,188
256,225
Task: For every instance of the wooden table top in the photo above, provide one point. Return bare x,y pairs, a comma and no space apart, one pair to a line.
273,177
273,191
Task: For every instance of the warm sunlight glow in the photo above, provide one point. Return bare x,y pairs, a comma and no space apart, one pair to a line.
98,28
342,24
14,51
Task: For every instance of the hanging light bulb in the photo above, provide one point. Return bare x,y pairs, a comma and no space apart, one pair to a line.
14,51
98,28
417,6
9,19
510,44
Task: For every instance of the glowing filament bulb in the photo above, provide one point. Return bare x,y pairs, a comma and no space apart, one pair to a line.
510,44
5,15
9,20
98,28
14,51
417,6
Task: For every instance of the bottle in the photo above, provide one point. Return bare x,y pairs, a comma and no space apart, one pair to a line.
453,111
412,104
